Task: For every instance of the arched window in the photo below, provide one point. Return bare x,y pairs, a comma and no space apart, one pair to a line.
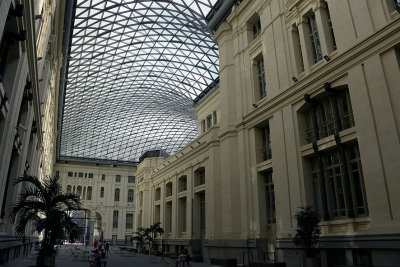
157,195
130,195
116,194
182,183
199,176
69,189
168,189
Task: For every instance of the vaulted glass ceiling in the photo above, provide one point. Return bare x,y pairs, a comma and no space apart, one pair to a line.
134,69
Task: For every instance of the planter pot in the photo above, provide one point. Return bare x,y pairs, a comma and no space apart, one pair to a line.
311,262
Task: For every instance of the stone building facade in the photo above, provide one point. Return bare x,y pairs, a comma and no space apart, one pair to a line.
30,60
306,113
107,194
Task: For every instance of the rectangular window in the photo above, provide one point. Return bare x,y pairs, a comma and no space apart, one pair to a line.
90,175
70,174
129,221
342,184
328,123
215,117
103,177
117,178
130,195
89,193
115,219
262,86
270,197
116,194
256,29
102,192
131,179
297,50
266,138
85,175
203,126
182,214
80,174
75,174
331,33
209,122
57,174
314,39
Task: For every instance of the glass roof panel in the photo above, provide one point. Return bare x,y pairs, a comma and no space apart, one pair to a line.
135,68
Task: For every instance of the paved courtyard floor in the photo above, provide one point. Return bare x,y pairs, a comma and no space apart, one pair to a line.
65,258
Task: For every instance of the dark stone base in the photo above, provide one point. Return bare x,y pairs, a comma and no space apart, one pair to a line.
224,262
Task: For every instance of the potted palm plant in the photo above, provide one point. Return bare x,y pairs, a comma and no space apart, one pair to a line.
140,238
45,207
152,233
307,234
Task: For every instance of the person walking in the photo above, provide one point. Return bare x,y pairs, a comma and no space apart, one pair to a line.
183,259
95,243
106,247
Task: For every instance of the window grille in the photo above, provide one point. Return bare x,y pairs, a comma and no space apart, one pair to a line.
343,183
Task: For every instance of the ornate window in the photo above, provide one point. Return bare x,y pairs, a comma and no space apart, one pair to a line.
70,174
117,178
90,175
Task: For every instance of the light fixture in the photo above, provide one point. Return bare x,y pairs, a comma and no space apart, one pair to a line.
295,79
255,106
327,87
327,58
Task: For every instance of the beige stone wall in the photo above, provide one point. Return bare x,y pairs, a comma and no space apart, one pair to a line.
106,205
365,61
28,97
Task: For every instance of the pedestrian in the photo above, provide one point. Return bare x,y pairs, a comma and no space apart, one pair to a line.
95,243
106,247
183,259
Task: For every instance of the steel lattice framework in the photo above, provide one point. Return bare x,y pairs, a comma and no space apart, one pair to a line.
134,69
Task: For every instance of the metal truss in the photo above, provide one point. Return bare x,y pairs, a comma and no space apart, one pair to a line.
135,68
